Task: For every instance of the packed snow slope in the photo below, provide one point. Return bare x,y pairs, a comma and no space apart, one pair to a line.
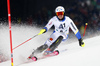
73,56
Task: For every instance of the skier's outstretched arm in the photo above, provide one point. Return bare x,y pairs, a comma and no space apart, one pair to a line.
77,33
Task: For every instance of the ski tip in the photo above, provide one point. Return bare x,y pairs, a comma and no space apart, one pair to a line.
29,58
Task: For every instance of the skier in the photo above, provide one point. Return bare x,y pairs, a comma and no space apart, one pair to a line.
62,24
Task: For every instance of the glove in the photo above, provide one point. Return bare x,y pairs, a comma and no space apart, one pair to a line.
42,31
81,43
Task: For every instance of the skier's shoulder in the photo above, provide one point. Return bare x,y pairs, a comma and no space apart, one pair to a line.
54,18
68,18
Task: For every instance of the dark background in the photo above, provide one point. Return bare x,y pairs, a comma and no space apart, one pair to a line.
25,8
38,12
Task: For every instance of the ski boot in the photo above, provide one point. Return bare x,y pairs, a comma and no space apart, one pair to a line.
48,51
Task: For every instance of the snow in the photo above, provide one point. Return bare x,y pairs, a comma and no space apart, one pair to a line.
74,56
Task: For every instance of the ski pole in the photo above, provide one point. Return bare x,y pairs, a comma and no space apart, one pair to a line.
25,41
85,29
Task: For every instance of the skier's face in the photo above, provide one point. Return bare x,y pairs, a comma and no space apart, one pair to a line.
60,15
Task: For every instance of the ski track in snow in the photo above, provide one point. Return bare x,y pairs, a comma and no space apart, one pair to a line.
74,56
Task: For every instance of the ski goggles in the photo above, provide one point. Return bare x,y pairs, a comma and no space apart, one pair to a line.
59,13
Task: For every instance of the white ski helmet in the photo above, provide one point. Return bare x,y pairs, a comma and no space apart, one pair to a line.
59,9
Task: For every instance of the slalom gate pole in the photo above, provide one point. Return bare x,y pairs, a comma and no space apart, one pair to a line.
85,29
9,19
25,41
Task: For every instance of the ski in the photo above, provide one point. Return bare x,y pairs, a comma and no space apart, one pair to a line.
51,54
55,53
44,56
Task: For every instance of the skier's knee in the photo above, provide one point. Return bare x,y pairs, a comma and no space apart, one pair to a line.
42,48
56,43
45,46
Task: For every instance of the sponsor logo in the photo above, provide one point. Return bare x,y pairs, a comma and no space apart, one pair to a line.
50,23
51,39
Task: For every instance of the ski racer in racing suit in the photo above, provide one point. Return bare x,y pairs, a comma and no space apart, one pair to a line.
62,24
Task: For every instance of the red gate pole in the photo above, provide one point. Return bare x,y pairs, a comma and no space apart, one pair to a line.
9,19
85,29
